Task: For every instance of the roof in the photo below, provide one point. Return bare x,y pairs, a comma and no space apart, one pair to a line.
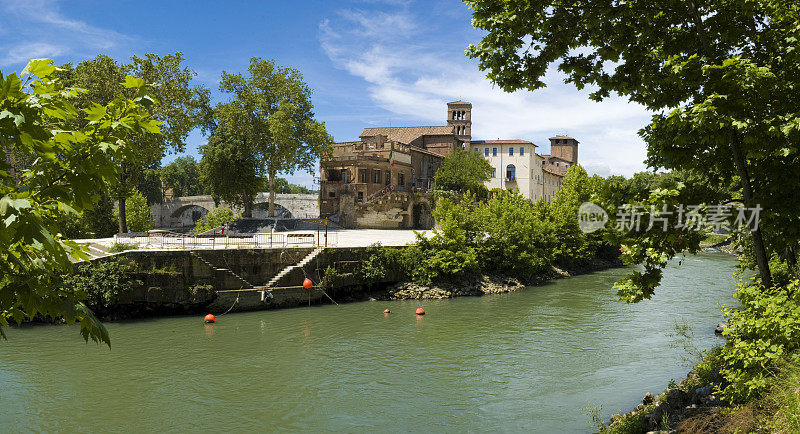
563,137
425,151
552,157
408,134
459,102
501,141
558,171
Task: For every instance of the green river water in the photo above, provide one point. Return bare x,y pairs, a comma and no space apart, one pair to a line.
522,362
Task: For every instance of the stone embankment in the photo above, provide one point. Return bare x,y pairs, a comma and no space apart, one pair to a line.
486,284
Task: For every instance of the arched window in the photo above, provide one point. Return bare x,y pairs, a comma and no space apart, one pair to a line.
511,173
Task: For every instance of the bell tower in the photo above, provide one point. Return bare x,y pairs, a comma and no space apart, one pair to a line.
459,117
564,147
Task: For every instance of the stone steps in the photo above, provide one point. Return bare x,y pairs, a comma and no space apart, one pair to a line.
300,264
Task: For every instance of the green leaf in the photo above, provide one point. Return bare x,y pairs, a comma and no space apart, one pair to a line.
95,112
41,68
133,82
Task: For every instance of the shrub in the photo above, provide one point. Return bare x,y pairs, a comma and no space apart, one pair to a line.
137,213
121,246
101,283
763,333
213,219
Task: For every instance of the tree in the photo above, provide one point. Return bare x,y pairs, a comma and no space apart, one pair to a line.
231,170
139,217
69,169
182,176
463,171
576,188
286,187
181,108
269,115
721,76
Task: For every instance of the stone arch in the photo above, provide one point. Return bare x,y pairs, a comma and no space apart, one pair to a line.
261,210
189,214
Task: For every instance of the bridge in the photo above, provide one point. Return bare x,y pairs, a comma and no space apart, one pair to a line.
186,211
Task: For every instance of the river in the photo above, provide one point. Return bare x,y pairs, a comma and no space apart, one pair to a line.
523,362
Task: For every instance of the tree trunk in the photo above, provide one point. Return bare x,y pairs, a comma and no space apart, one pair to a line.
248,206
123,220
272,194
758,242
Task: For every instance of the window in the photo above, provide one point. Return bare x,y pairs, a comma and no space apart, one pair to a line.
401,179
360,196
476,150
331,194
486,152
494,152
376,176
494,172
511,151
522,151
388,177
511,173
362,175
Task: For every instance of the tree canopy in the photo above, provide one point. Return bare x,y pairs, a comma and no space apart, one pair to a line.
182,176
720,75
463,171
268,127
180,108
70,167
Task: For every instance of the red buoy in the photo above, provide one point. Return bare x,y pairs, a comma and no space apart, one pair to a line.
420,311
307,284
209,318
386,311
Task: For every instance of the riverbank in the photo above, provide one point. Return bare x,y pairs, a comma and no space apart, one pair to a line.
146,284
477,285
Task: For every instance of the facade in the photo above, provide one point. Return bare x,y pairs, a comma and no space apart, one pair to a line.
405,159
365,170
515,166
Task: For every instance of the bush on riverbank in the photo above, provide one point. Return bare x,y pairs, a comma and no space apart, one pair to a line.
101,283
505,234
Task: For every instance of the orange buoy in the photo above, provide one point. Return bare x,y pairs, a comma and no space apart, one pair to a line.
307,284
386,311
209,318
420,311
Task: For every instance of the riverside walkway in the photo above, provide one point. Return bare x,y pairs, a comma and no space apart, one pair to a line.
162,241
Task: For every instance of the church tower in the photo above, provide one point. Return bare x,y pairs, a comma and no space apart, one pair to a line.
564,147
459,116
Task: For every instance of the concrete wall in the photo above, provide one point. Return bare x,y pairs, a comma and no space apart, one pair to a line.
179,282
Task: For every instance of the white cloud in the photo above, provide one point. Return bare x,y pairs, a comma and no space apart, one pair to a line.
36,28
412,70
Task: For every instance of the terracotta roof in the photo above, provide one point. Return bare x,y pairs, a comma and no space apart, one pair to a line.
407,134
551,157
558,171
460,102
562,137
501,141
424,151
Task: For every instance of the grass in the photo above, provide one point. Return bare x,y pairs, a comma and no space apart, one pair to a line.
713,239
781,412
122,246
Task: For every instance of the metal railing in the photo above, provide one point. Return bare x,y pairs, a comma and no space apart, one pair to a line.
176,241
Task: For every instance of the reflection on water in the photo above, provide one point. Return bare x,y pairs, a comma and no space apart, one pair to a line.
527,361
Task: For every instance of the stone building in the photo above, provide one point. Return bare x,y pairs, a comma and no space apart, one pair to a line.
402,159
405,159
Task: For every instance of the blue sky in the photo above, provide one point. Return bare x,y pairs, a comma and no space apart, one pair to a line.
369,62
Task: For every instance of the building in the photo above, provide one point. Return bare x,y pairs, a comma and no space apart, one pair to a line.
405,159
402,159
517,166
